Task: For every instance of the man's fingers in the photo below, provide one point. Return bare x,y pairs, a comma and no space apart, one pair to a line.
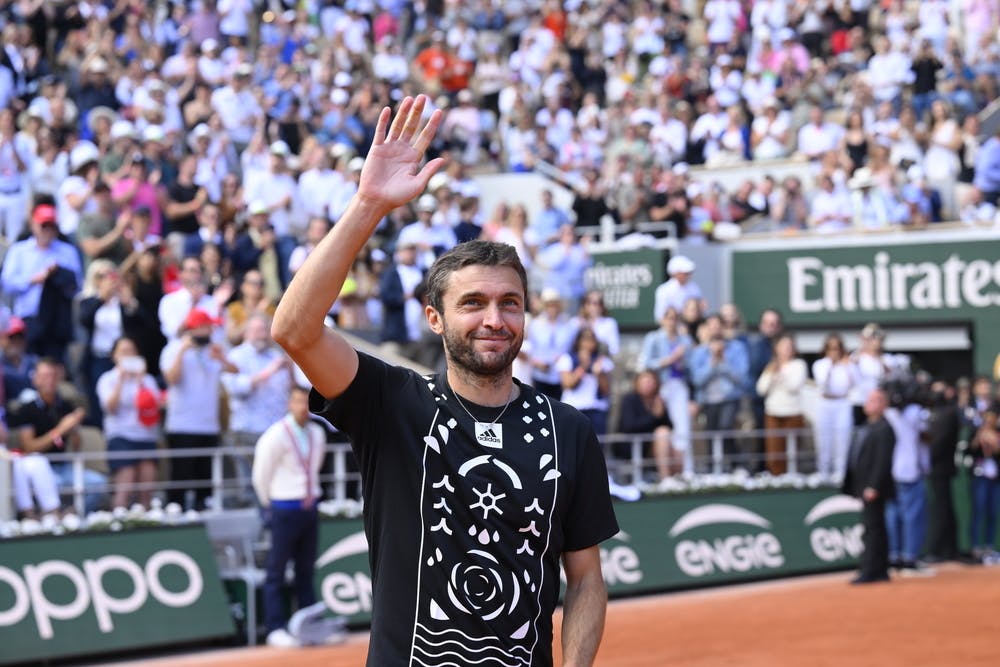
430,169
427,134
383,122
402,113
413,118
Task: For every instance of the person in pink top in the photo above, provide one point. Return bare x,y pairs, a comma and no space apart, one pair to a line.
141,189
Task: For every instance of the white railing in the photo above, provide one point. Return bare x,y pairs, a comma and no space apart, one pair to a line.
706,455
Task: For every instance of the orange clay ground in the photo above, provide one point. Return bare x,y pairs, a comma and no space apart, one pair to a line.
952,618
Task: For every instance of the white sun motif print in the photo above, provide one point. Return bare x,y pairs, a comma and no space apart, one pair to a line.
487,515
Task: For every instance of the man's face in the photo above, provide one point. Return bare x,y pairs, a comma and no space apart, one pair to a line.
298,406
257,333
46,379
875,403
483,320
770,324
191,274
44,233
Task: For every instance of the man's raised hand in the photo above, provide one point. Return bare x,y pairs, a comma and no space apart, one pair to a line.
392,174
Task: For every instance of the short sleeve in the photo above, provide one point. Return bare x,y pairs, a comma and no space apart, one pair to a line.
564,364
591,516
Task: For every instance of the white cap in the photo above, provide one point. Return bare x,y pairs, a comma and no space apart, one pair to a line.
680,264
122,129
427,203
81,154
257,207
98,65
153,133
550,295
356,164
279,147
339,96
209,45
244,69
438,181
342,80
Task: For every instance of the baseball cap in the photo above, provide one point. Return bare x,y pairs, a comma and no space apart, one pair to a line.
257,207
199,318
550,295
279,147
680,264
148,406
427,203
44,214
15,325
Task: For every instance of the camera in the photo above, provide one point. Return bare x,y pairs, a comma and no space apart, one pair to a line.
133,365
201,341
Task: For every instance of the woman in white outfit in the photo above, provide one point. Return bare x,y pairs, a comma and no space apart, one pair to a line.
835,377
870,368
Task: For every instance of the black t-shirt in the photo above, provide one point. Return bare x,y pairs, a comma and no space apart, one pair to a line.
183,194
39,415
466,521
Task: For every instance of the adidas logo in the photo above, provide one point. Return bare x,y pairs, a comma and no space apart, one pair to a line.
489,435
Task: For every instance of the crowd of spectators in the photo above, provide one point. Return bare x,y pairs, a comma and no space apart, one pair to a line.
166,167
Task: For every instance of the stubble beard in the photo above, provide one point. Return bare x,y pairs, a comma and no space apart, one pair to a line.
488,366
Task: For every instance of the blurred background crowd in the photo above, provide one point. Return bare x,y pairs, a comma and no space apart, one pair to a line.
167,166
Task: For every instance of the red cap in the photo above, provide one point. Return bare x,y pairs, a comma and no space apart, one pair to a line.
44,214
148,406
15,325
199,318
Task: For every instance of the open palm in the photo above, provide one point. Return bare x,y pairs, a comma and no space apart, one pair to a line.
392,174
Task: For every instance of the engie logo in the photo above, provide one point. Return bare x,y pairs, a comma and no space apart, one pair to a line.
729,553
346,594
29,593
836,543
619,563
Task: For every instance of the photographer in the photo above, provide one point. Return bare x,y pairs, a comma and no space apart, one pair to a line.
942,433
906,513
193,366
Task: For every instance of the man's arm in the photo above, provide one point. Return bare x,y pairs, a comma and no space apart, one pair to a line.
584,607
391,177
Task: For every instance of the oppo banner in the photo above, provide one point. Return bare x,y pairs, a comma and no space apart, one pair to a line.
96,593
665,543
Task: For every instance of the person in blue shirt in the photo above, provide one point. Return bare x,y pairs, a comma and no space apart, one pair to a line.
719,371
43,274
987,178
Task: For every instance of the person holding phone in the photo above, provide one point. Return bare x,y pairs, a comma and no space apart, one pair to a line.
192,366
130,401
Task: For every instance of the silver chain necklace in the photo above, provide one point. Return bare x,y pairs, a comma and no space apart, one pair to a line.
495,419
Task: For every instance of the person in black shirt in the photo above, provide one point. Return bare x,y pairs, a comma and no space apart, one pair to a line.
869,478
942,438
643,411
46,423
475,485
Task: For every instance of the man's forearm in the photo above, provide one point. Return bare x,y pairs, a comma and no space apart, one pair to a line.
318,281
584,609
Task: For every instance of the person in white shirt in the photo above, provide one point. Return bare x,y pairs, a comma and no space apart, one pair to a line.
15,160
818,136
317,182
192,366
429,238
709,127
830,209
237,107
769,131
130,400
234,17
259,388
835,377
286,468
585,375
781,386
175,306
676,291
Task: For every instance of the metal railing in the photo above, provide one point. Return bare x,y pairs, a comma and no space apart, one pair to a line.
706,455
335,483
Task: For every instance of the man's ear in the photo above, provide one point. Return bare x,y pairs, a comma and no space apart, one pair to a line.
434,319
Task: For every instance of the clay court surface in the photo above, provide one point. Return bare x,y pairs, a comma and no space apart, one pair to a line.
948,619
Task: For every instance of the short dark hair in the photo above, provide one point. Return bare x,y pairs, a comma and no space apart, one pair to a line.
470,253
